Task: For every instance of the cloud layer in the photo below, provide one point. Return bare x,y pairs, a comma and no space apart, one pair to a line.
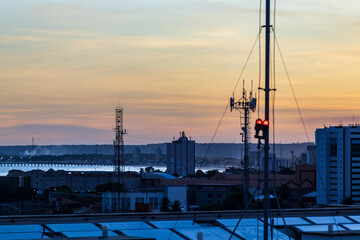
172,65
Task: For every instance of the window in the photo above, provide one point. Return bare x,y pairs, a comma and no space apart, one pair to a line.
139,200
156,203
218,195
122,204
127,203
355,148
333,150
209,195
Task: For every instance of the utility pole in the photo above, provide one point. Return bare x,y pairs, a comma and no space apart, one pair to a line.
244,105
266,130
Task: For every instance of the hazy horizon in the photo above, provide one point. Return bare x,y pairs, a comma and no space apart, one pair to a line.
154,143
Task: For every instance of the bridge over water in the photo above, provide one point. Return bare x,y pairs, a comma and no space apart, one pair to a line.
47,164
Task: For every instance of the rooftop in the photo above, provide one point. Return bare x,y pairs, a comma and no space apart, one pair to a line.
184,226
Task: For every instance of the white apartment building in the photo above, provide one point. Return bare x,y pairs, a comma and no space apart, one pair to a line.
129,200
338,164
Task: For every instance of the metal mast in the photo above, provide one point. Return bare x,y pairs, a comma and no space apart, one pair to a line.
119,161
266,130
244,105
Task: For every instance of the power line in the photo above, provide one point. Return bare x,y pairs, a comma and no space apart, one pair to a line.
227,104
292,89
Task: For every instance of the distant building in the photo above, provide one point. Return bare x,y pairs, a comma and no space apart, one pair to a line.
274,165
130,201
136,156
338,164
76,181
181,156
303,159
202,192
311,154
254,159
149,194
158,155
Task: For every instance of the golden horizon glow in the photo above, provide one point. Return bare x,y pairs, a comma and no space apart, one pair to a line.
172,65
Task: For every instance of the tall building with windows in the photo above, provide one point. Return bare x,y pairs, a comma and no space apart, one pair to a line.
338,164
181,156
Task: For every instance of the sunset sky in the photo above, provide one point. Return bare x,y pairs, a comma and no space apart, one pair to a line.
172,64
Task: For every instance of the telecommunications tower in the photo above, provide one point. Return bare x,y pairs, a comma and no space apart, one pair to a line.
119,161
245,105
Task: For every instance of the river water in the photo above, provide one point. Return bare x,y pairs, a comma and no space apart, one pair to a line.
5,169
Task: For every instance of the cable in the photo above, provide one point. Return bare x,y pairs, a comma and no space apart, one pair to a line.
243,213
227,104
259,85
213,137
292,89
281,212
332,212
177,219
258,112
273,69
302,120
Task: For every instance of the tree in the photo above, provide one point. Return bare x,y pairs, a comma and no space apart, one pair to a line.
199,174
165,203
211,173
149,169
176,206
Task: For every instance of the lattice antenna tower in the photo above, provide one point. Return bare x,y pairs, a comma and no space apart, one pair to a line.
119,161
245,105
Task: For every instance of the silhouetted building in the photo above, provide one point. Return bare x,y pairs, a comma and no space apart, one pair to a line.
303,159
311,154
181,156
136,155
158,155
76,181
254,159
338,164
274,165
149,195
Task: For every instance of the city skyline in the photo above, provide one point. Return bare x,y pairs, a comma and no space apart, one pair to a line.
172,65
